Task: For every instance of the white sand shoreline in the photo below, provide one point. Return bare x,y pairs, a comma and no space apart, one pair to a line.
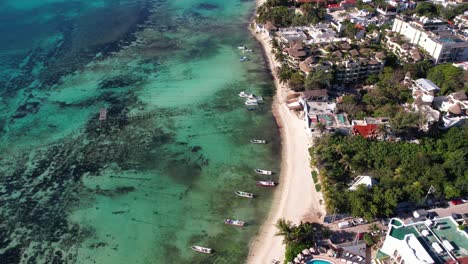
296,199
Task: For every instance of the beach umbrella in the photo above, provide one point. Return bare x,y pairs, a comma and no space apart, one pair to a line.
312,250
299,256
305,252
296,260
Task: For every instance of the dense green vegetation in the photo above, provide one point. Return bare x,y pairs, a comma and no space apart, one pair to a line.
300,237
384,100
278,13
320,79
448,77
404,171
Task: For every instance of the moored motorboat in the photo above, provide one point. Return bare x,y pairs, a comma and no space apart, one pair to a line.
244,58
244,94
248,50
251,102
264,172
268,183
232,222
242,47
202,249
258,141
244,194
256,98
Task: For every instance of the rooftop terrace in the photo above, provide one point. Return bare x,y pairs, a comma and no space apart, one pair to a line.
432,235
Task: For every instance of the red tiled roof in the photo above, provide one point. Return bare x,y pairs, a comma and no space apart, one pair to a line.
334,6
359,26
367,131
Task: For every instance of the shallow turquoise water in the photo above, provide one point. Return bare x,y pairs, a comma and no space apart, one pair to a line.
159,174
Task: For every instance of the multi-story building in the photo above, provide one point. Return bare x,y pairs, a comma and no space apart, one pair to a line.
404,51
440,41
357,69
461,21
424,242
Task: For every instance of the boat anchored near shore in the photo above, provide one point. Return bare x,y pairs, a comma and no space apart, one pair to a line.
244,194
258,141
243,94
203,250
268,183
232,222
264,172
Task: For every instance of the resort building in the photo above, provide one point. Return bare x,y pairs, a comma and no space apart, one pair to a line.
321,111
368,127
358,68
434,36
295,54
455,106
428,241
461,21
267,29
405,51
322,34
424,91
292,34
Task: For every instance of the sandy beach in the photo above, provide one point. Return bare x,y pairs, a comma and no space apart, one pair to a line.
295,199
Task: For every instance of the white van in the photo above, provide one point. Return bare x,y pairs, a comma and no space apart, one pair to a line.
344,224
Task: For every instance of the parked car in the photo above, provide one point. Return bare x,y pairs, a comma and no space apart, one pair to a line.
457,216
358,221
456,201
431,215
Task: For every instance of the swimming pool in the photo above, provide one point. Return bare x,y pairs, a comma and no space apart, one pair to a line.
319,261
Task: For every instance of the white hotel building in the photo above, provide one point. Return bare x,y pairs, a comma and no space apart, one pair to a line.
443,43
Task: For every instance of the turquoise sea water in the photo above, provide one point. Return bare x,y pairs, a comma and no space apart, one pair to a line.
159,174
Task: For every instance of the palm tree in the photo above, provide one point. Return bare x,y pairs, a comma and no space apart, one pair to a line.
321,127
345,161
285,229
374,228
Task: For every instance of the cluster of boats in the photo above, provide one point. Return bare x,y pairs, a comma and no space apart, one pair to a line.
251,99
236,222
244,49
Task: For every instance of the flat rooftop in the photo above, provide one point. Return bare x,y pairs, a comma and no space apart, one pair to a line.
446,229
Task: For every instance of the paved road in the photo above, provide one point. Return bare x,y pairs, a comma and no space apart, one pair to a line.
442,212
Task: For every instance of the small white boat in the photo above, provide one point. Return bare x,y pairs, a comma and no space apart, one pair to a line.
268,183
251,102
232,222
244,194
242,47
258,141
248,50
256,98
244,58
202,249
264,172
244,94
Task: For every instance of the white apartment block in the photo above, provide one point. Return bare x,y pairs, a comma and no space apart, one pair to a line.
435,37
